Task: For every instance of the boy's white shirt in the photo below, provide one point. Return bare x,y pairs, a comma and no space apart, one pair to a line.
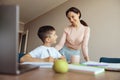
44,52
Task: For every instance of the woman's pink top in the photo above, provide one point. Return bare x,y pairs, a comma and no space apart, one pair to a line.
75,38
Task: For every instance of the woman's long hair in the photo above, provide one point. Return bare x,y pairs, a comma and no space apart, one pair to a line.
76,10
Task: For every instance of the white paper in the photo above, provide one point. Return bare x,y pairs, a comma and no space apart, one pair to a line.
41,64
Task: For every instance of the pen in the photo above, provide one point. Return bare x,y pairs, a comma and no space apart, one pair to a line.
48,52
62,54
97,65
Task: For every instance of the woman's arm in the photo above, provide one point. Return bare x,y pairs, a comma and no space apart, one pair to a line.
85,44
62,42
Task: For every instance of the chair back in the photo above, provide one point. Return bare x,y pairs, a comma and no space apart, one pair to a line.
110,60
20,55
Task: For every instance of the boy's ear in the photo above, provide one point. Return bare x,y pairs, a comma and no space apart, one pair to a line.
47,39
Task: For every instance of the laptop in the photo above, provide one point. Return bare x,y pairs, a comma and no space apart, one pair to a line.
9,26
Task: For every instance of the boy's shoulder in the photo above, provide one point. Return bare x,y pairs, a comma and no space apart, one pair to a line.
46,47
42,47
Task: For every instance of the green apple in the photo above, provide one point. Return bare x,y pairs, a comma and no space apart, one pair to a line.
60,66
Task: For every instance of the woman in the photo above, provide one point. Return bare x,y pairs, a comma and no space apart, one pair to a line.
75,36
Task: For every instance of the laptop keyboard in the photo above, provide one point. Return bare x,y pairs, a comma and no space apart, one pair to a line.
27,67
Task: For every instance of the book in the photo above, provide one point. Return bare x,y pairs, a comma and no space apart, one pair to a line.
113,67
86,69
107,66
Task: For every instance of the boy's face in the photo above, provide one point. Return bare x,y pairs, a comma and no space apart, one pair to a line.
53,37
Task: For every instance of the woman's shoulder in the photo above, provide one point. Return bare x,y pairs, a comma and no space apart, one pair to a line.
87,28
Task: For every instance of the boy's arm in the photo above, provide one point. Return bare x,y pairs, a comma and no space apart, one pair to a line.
28,58
63,58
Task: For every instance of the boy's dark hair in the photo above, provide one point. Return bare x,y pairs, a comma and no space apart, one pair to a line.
45,31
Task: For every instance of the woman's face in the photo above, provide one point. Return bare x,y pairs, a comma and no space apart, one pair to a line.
73,18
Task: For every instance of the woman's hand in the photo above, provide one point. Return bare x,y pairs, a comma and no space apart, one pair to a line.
87,58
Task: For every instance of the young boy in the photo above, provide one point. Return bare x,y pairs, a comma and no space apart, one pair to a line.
44,53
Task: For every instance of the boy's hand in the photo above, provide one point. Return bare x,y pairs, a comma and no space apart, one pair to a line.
63,58
49,59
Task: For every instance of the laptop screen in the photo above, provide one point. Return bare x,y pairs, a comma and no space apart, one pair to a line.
9,25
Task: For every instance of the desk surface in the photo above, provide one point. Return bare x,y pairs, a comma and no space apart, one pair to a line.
49,74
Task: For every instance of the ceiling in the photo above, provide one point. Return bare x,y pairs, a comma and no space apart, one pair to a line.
31,9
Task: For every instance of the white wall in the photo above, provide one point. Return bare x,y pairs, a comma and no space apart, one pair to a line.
102,16
21,27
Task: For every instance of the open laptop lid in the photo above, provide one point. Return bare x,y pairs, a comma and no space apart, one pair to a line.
9,24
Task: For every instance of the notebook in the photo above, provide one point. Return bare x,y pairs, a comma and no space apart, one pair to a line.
86,69
9,25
